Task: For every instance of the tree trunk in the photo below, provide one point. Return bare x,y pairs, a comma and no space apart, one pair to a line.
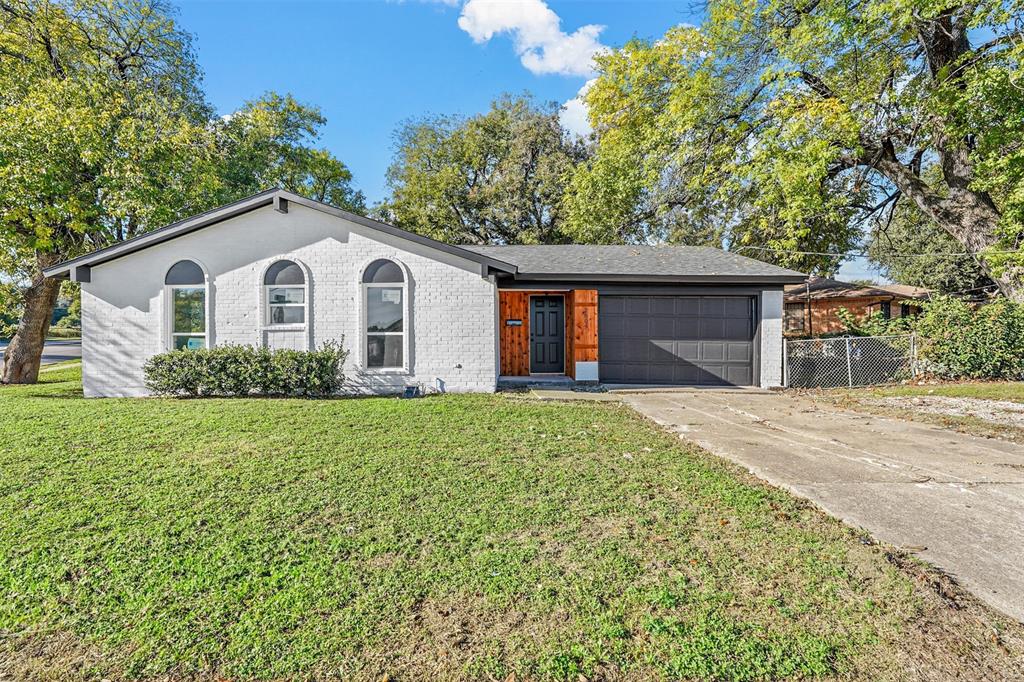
968,216
21,360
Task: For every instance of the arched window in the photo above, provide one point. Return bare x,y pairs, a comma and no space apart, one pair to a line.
384,291
284,286
187,313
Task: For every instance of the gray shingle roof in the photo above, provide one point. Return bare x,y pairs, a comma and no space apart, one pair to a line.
663,262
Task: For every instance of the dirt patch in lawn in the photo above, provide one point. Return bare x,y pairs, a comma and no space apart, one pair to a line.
1002,412
956,636
52,656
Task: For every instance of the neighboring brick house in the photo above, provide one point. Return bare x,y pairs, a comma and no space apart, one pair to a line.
811,308
281,271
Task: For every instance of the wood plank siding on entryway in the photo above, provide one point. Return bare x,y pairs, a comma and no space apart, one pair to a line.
514,338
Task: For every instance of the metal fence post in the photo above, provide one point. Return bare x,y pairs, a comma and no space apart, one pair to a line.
849,366
913,355
785,362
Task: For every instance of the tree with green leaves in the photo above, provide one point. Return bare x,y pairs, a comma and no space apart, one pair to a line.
102,132
910,249
494,178
105,134
792,124
269,143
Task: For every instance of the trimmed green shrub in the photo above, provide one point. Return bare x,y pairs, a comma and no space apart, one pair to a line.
960,341
247,371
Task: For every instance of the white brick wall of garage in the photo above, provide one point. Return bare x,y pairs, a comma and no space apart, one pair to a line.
453,309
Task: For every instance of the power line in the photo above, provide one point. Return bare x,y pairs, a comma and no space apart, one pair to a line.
865,254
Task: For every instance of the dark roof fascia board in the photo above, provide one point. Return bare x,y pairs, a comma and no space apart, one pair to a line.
644,289
267,198
660,279
473,256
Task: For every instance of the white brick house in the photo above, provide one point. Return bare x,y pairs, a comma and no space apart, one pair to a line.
278,270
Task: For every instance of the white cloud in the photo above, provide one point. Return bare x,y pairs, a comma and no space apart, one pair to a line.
536,33
573,115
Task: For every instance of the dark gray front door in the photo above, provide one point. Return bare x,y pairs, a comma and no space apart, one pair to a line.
687,340
547,334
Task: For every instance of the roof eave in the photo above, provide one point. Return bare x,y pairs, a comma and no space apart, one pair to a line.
661,279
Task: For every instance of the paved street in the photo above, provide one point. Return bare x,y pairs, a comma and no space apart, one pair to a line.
56,351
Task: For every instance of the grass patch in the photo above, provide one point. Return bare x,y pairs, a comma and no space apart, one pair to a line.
446,537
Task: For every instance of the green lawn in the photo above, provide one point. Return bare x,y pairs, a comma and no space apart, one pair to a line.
445,537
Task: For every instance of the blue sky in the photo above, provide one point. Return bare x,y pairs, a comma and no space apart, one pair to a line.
370,65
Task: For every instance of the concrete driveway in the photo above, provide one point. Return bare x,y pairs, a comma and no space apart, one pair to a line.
955,500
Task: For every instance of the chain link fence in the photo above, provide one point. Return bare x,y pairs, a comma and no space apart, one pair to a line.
849,361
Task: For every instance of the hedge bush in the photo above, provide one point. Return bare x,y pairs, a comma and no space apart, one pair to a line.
957,340
960,341
247,371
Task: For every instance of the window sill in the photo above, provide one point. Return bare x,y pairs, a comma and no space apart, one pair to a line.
385,370
284,328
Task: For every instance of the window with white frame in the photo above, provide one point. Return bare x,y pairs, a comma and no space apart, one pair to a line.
384,302
284,287
186,294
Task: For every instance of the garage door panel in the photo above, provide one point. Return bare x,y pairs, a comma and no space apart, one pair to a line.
736,307
615,327
687,328
636,372
661,351
739,352
736,330
712,307
687,306
714,351
639,350
613,305
713,374
638,305
615,349
663,306
686,373
712,328
689,351
663,327
691,340
740,376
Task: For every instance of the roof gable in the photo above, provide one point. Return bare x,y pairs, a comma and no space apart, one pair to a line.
277,198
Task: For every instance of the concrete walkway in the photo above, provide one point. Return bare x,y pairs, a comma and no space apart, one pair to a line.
955,500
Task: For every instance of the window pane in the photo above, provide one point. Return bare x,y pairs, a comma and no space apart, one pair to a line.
190,310
383,271
383,351
287,314
284,272
384,309
189,342
288,295
184,272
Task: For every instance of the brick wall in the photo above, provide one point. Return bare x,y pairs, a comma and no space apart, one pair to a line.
771,339
824,313
449,321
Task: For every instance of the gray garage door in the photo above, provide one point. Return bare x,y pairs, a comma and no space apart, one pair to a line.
689,340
